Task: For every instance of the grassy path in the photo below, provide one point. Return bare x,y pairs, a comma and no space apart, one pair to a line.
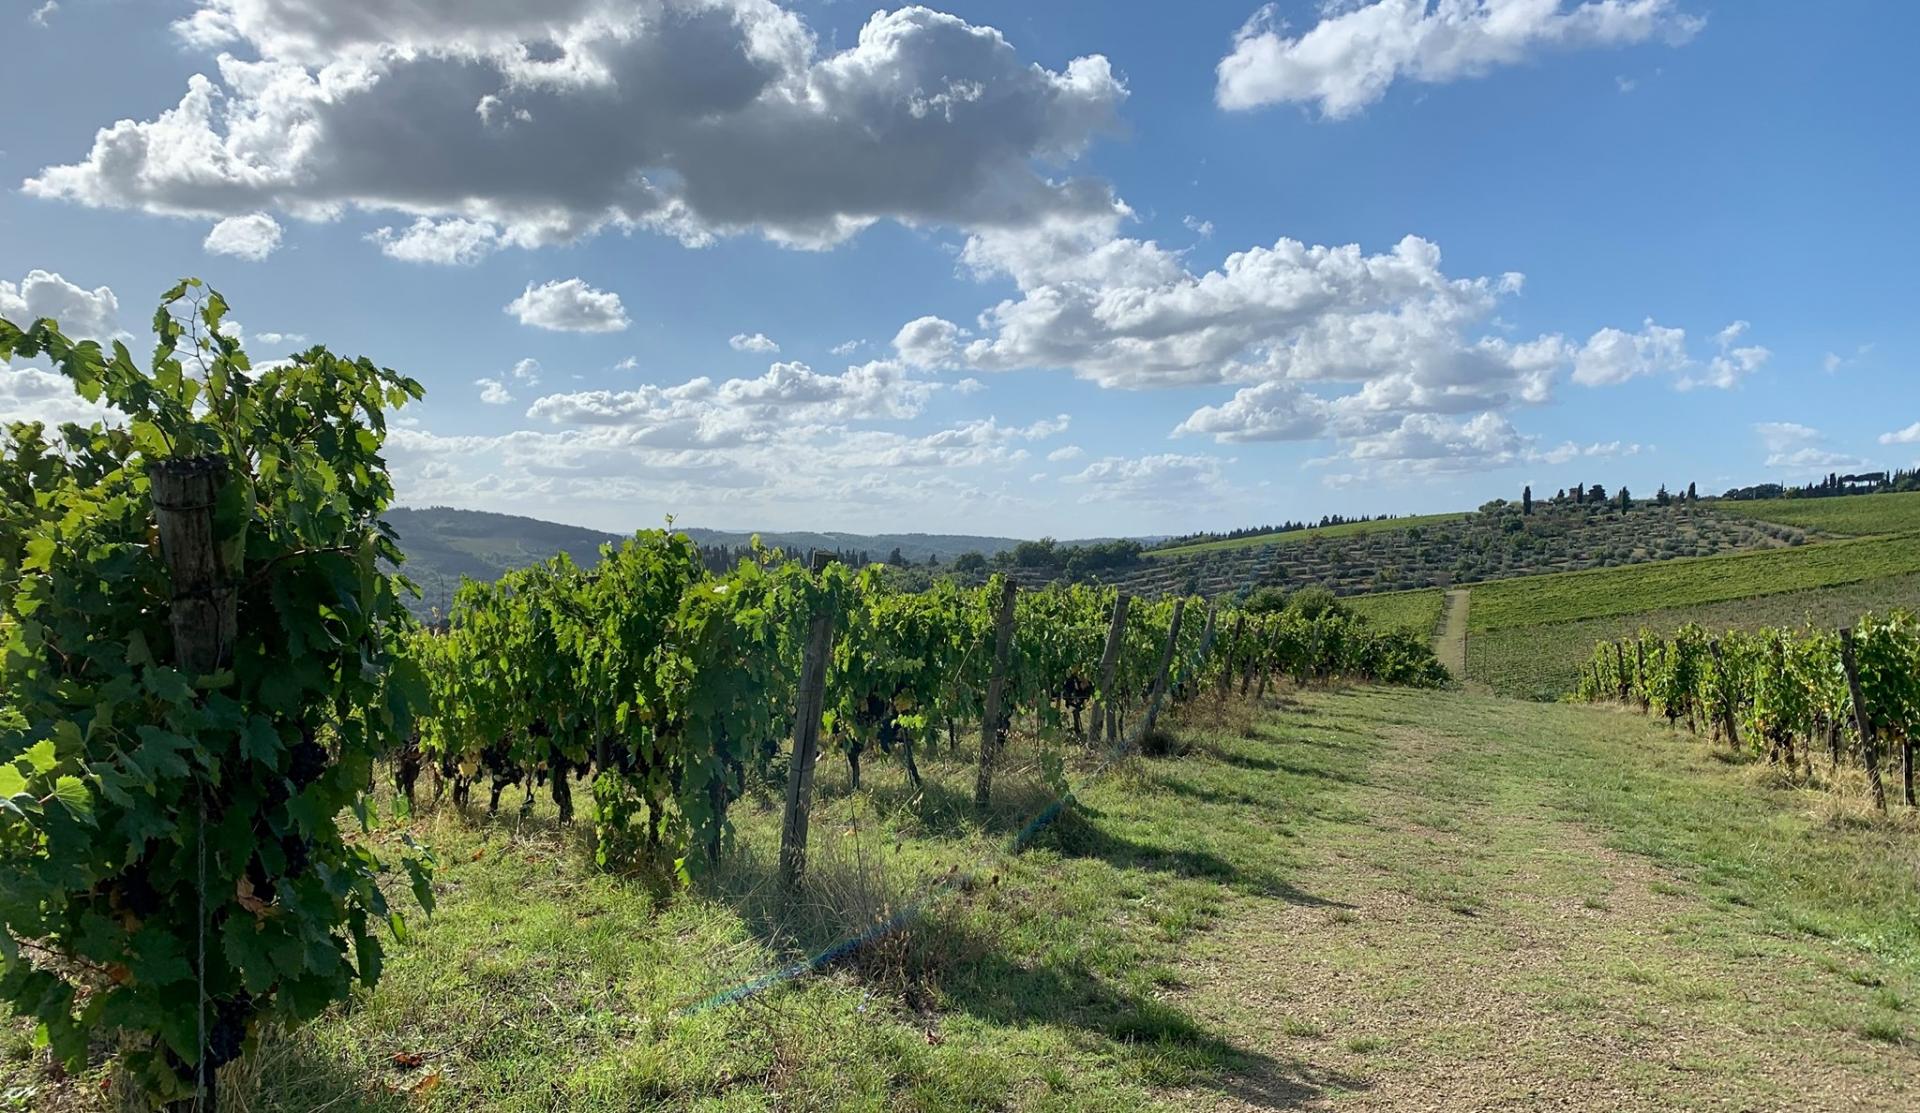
1561,908
1451,642
1359,899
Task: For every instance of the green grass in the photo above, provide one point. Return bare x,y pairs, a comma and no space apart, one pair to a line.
1570,596
1544,662
1345,529
1415,611
1849,515
1361,891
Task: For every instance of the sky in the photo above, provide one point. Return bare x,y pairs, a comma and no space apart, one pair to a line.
1066,268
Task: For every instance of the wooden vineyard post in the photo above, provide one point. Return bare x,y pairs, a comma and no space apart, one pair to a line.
1159,689
204,617
996,694
1233,643
808,706
1620,658
1869,745
1726,709
1110,663
1640,650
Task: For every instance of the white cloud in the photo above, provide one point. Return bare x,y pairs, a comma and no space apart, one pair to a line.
758,342
1612,356
928,341
1165,481
1274,411
969,386
1201,228
1909,435
569,306
526,372
1064,453
453,241
628,364
278,338
493,392
82,314
1357,50
701,412
31,394
846,348
1791,446
252,237
550,122
40,15
1626,84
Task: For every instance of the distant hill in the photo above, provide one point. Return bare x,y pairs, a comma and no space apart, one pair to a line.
443,544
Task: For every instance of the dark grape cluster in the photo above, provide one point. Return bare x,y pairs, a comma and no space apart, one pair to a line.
308,761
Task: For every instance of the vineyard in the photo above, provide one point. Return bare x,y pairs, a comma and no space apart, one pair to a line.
208,666
1851,695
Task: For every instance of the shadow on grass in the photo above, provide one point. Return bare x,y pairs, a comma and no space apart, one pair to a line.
1156,1041
1077,835
293,1074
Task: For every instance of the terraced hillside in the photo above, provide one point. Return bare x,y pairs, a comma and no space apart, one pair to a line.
1445,550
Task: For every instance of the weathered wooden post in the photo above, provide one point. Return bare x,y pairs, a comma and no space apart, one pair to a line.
996,693
1869,745
1158,692
808,706
204,615
1110,664
1640,650
1725,708
1625,684
204,618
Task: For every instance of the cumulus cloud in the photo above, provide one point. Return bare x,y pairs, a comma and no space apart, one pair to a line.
454,241
1064,453
31,394
736,411
1909,435
1201,228
493,392
546,123
1612,356
569,306
758,342
252,237
846,348
1357,50
83,314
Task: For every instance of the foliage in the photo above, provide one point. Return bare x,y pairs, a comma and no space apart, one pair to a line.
1849,515
168,838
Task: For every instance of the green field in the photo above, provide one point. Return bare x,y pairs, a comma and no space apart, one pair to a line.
1597,593
1414,611
1850,515
1543,662
1345,529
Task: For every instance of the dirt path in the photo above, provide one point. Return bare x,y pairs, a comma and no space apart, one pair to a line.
1471,950
1451,643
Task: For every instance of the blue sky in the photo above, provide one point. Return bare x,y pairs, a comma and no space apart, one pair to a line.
1067,268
